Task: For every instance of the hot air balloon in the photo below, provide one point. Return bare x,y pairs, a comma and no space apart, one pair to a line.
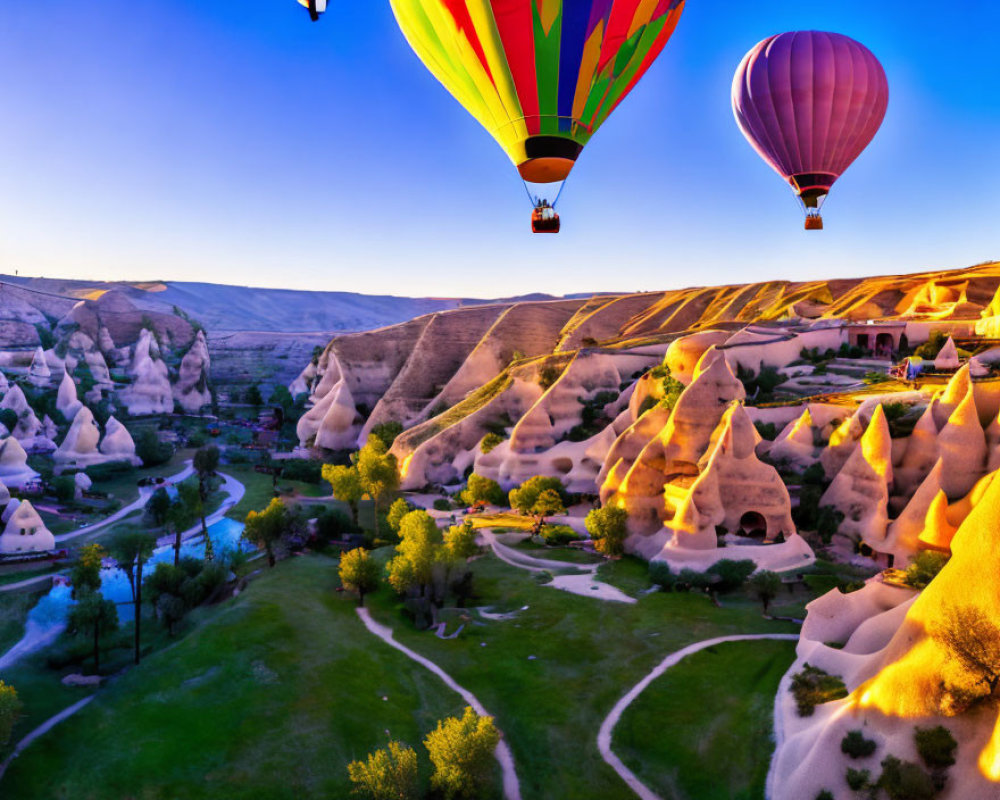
540,75
810,102
316,7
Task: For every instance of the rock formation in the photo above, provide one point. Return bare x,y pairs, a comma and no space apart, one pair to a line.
947,358
191,389
27,423
117,443
337,430
66,399
150,391
79,447
39,372
26,533
14,469
684,353
796,444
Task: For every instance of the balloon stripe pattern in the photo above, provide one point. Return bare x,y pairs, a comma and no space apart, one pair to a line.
527,68
810,102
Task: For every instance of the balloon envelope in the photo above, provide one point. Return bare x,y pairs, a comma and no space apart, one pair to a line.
810,102
540,75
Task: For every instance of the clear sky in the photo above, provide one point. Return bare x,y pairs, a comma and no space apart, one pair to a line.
237,142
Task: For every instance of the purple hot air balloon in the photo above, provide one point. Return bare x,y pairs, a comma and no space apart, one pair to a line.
810,102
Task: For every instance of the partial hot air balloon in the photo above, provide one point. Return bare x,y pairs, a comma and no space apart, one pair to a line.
810,102
316,7
540,75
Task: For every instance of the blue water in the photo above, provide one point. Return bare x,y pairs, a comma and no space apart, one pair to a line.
53,608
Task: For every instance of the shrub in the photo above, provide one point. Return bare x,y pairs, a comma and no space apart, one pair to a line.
103,472
461,750
65,488
332,523
559,534
547,376
932,346
661,574
904,780
826,794
10,710
302,469
924,567
857,746
731,574
8,418
694,580
482,490
767,430
936,746
813,687
858,779
151,450
490,441
442,504
606,527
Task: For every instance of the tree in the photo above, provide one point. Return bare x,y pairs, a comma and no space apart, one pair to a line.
387,432
460,541
151,450
253,396
764,586
482,491
166,593
8,418
924,567
10,710
399,509
524,496
461,751
377,472
388,774
548,504
86,573
359,573
65,488
606,527
731,574
206,462
265,528
182,514
973,641
132,549
158,506
95,616
345,483
416,554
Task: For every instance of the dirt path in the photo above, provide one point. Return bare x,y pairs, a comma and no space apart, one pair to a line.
235,491
583,583
511,787
608,726
42,729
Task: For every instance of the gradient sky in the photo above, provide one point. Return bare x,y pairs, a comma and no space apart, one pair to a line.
237,142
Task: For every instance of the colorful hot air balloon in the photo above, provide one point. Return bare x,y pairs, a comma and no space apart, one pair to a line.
810,103
540,75
316,7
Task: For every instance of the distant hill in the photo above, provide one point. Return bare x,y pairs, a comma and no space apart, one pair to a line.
244,308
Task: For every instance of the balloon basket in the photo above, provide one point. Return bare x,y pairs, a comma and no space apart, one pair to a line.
814,223
544,222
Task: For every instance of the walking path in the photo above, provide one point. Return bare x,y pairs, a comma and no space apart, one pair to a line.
235,491
511,787
608,726
42,729
583,583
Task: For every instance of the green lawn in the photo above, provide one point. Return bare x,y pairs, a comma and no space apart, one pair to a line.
14,608
268,697
552,672
702,731
259,489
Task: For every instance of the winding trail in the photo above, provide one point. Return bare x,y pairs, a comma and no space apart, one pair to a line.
235,491
608,726
511,786
44,728
584,582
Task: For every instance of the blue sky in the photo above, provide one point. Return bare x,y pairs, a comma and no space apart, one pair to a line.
237,142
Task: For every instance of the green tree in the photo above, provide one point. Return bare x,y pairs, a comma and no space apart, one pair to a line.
166,593
65,488
924,567
185,510
265,528
205,462
972,639
461,750
151,450
606,527
387,432
378,473
93,615
460,541
482,491
158,506
86,573
764,586
548,504
399,509
524,497
345,482
490,442
8,418
131,549
387,774
253,396
419,549
10,710
359,573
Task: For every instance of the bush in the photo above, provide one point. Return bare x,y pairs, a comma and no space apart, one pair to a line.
65,488
103,472
442,504
931,348
8,418
387,432
857,746
482,490
767,430
490,441
302,469
731,574
607,527
826,794
936,746
151,450
691,579
904,780
813,687
858,779
559,535
332,523
924,568
661,574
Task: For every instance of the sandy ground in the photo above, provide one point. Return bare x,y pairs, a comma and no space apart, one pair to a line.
585,584
511,786
608,726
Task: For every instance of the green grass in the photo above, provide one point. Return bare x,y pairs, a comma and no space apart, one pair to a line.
702,730
269,696
569,554
123,486
15,576
259,489
587,653
14,608
628,573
